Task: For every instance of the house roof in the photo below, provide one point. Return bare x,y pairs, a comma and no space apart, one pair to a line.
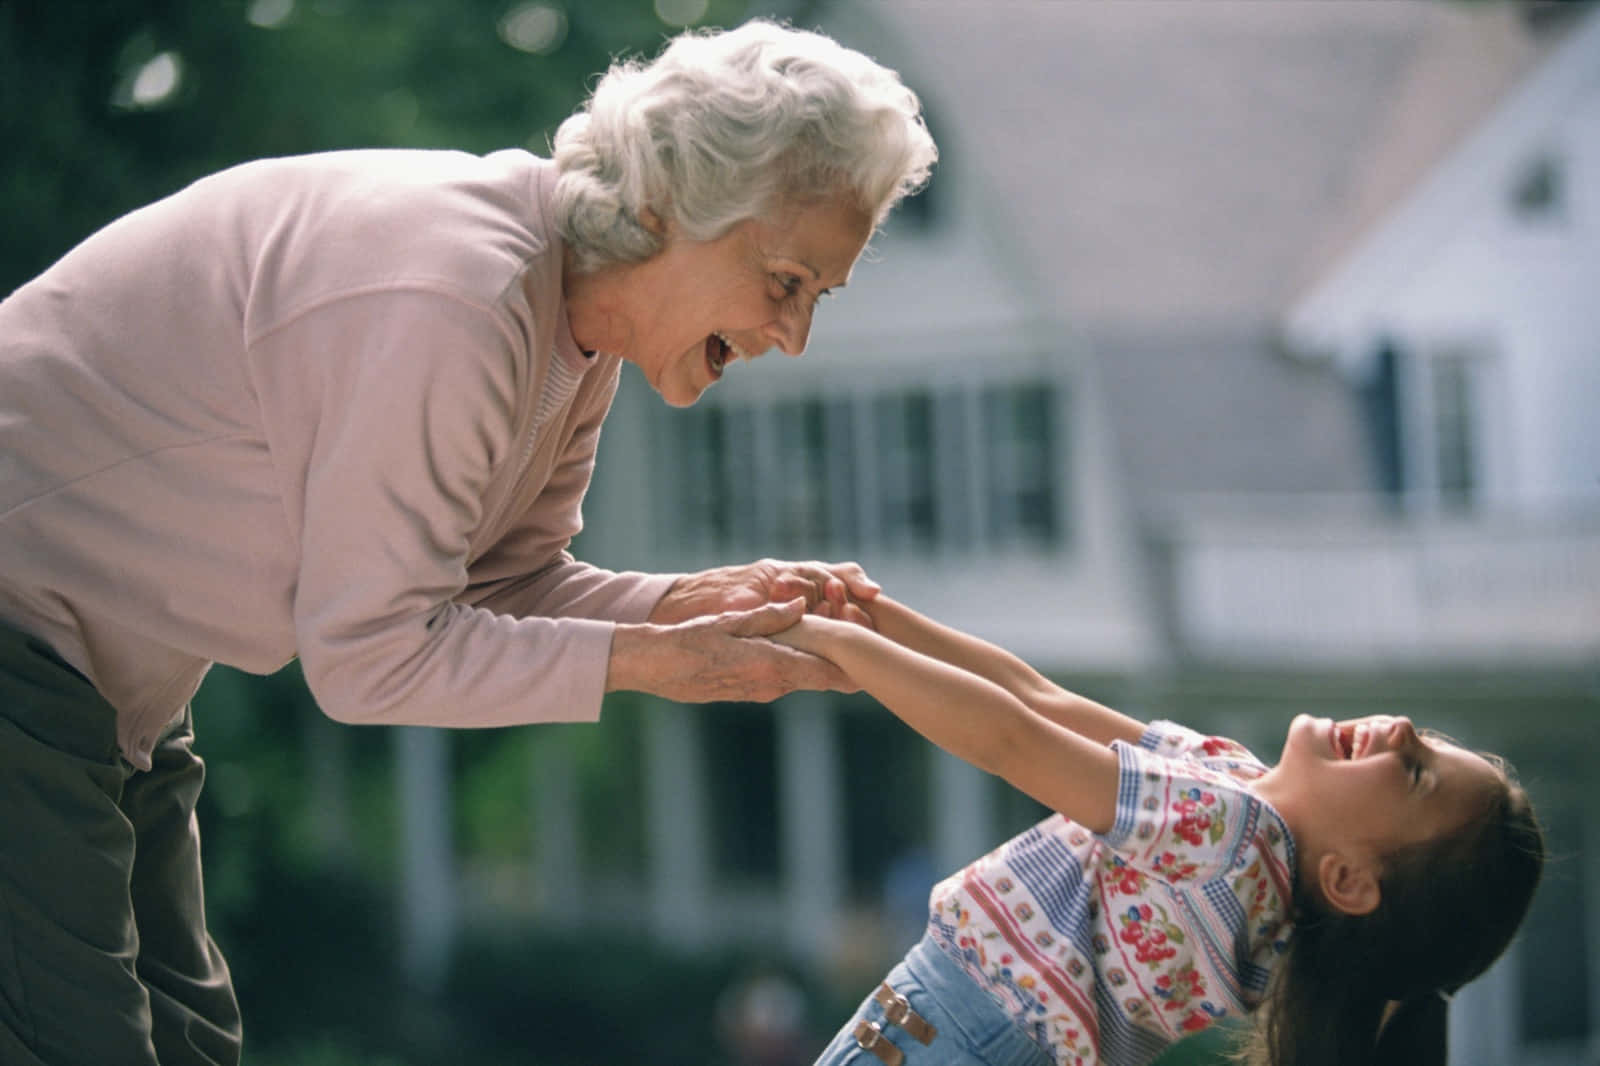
1171,174
1194,157
1339,314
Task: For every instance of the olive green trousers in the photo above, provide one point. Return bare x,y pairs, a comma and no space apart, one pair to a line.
104,955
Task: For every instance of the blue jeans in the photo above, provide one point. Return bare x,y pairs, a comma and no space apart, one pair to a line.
972,1030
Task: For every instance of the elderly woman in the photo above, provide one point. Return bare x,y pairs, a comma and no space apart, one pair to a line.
345,407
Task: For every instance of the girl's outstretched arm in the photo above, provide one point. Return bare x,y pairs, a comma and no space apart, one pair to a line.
1083,716
972,717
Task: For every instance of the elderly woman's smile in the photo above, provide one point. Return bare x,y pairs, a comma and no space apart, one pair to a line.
719,349
685,313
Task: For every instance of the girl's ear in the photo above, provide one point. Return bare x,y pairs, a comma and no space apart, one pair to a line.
1349,884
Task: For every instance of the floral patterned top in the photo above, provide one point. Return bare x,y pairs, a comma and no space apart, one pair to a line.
1107,948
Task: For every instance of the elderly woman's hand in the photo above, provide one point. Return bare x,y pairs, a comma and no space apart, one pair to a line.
834,590
712,657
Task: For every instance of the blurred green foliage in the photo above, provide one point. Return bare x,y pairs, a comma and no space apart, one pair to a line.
83,144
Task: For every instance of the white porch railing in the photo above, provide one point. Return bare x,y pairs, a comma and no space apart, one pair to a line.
1264,581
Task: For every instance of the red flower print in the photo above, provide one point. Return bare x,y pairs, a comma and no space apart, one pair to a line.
1149,942
1170,867
1178,988
1124,879
1194,817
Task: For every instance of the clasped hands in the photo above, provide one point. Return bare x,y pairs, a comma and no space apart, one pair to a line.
697,646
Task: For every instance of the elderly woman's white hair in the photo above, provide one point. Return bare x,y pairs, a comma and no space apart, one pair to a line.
726,126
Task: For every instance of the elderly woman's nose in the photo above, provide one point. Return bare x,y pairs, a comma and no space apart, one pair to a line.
791,329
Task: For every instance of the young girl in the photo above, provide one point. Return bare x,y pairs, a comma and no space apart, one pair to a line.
1347,892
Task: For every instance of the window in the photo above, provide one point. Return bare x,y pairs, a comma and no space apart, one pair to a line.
904,455
1453,420
692,507
1380,406
956,470
804,505
1539,193
1019,429
744,518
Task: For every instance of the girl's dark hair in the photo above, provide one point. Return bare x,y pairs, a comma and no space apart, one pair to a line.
1448,908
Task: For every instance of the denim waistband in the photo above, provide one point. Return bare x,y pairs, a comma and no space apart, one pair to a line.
985,1025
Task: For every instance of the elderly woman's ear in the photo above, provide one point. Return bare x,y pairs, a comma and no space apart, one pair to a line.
652,221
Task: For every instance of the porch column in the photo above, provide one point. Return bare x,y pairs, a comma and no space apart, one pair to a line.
810,820
428,902
679,825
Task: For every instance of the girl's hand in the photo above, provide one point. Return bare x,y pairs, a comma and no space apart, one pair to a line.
810,634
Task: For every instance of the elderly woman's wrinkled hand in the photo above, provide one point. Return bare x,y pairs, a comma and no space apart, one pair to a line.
834,590
715,658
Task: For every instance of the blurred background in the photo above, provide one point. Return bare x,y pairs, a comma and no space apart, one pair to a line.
1241,360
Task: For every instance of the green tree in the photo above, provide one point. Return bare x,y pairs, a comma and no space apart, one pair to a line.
108,104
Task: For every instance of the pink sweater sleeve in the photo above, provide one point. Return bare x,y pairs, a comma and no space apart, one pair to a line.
387,452
528,571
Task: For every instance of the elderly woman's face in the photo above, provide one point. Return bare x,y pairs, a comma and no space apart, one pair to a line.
708,303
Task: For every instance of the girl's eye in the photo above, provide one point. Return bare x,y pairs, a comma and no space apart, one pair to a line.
1415,767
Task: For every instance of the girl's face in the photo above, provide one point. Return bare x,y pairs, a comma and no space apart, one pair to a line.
1363,788
699,305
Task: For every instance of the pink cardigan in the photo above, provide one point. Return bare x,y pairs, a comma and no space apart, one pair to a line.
324,406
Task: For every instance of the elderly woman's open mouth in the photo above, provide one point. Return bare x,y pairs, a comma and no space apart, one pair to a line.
719,349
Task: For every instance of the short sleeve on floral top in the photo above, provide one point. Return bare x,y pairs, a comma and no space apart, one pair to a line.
1107,948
